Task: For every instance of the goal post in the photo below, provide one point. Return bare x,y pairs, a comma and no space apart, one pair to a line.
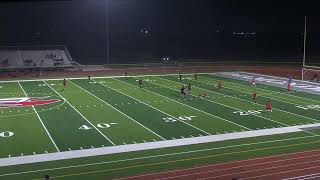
310,69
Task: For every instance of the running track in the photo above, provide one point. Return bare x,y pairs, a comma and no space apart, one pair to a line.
302,165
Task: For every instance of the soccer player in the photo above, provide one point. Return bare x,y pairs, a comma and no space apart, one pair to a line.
180,77
89,77
195,76
126,75
268,106
254,82
140,83
182,90
189,88
219,85
289,87
64,84
254,96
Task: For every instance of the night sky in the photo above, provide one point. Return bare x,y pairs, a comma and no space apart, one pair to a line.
145,30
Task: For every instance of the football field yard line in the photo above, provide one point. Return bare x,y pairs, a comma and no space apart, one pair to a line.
80,114
155,108
161,155
222,103
257,104
188,105
117,110
180,160
55,145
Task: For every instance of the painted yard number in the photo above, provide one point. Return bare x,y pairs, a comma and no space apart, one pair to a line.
249,112
309,107
6,134
181,118
101,125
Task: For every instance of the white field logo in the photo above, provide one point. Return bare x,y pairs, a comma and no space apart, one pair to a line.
26,101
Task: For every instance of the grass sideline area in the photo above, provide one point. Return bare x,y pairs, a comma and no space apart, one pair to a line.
115,111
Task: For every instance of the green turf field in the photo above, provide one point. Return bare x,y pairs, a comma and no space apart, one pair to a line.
105,112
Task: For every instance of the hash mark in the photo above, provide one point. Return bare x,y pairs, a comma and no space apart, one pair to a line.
34,153
92,147
173,138
9,156
182,137
69,149
21,154
144,141
102,145
134,142
46,152
124,143
81,148
154,140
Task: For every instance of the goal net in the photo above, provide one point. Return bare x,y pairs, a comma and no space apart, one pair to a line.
311,74
311,59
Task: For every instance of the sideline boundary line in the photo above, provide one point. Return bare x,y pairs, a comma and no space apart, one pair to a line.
97,77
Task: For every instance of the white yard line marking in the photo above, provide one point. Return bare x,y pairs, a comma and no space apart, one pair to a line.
54,143
80,114
118,110
157,109
222,104
191,106
168,154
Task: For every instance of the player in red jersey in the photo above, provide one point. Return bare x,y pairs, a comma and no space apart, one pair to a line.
254,96
268,106
289,87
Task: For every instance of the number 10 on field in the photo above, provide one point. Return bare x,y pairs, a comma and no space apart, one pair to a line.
100,125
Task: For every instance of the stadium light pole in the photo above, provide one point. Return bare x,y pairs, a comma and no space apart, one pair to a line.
304,41
107,31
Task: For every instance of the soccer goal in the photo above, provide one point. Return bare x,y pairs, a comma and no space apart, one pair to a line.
311,58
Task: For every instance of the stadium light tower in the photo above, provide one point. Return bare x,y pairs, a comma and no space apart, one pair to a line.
107,31
304,41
